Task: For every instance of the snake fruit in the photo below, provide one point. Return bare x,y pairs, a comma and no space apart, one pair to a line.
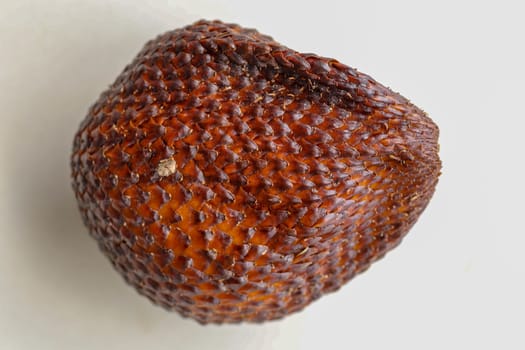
231,179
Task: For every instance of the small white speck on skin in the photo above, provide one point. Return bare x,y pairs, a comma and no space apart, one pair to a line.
166,167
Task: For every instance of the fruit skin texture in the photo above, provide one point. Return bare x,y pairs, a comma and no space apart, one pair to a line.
232,179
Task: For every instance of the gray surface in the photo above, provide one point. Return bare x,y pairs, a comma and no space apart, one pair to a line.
457,281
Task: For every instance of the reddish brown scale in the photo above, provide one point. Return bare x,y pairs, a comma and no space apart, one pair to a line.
232,179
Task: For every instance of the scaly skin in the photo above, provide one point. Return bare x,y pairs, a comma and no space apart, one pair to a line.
232,179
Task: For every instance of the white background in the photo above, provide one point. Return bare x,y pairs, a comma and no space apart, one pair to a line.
456,282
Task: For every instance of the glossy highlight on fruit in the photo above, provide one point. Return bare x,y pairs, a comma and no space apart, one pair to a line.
232,179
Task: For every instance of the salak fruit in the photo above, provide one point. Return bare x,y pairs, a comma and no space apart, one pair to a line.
231,179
